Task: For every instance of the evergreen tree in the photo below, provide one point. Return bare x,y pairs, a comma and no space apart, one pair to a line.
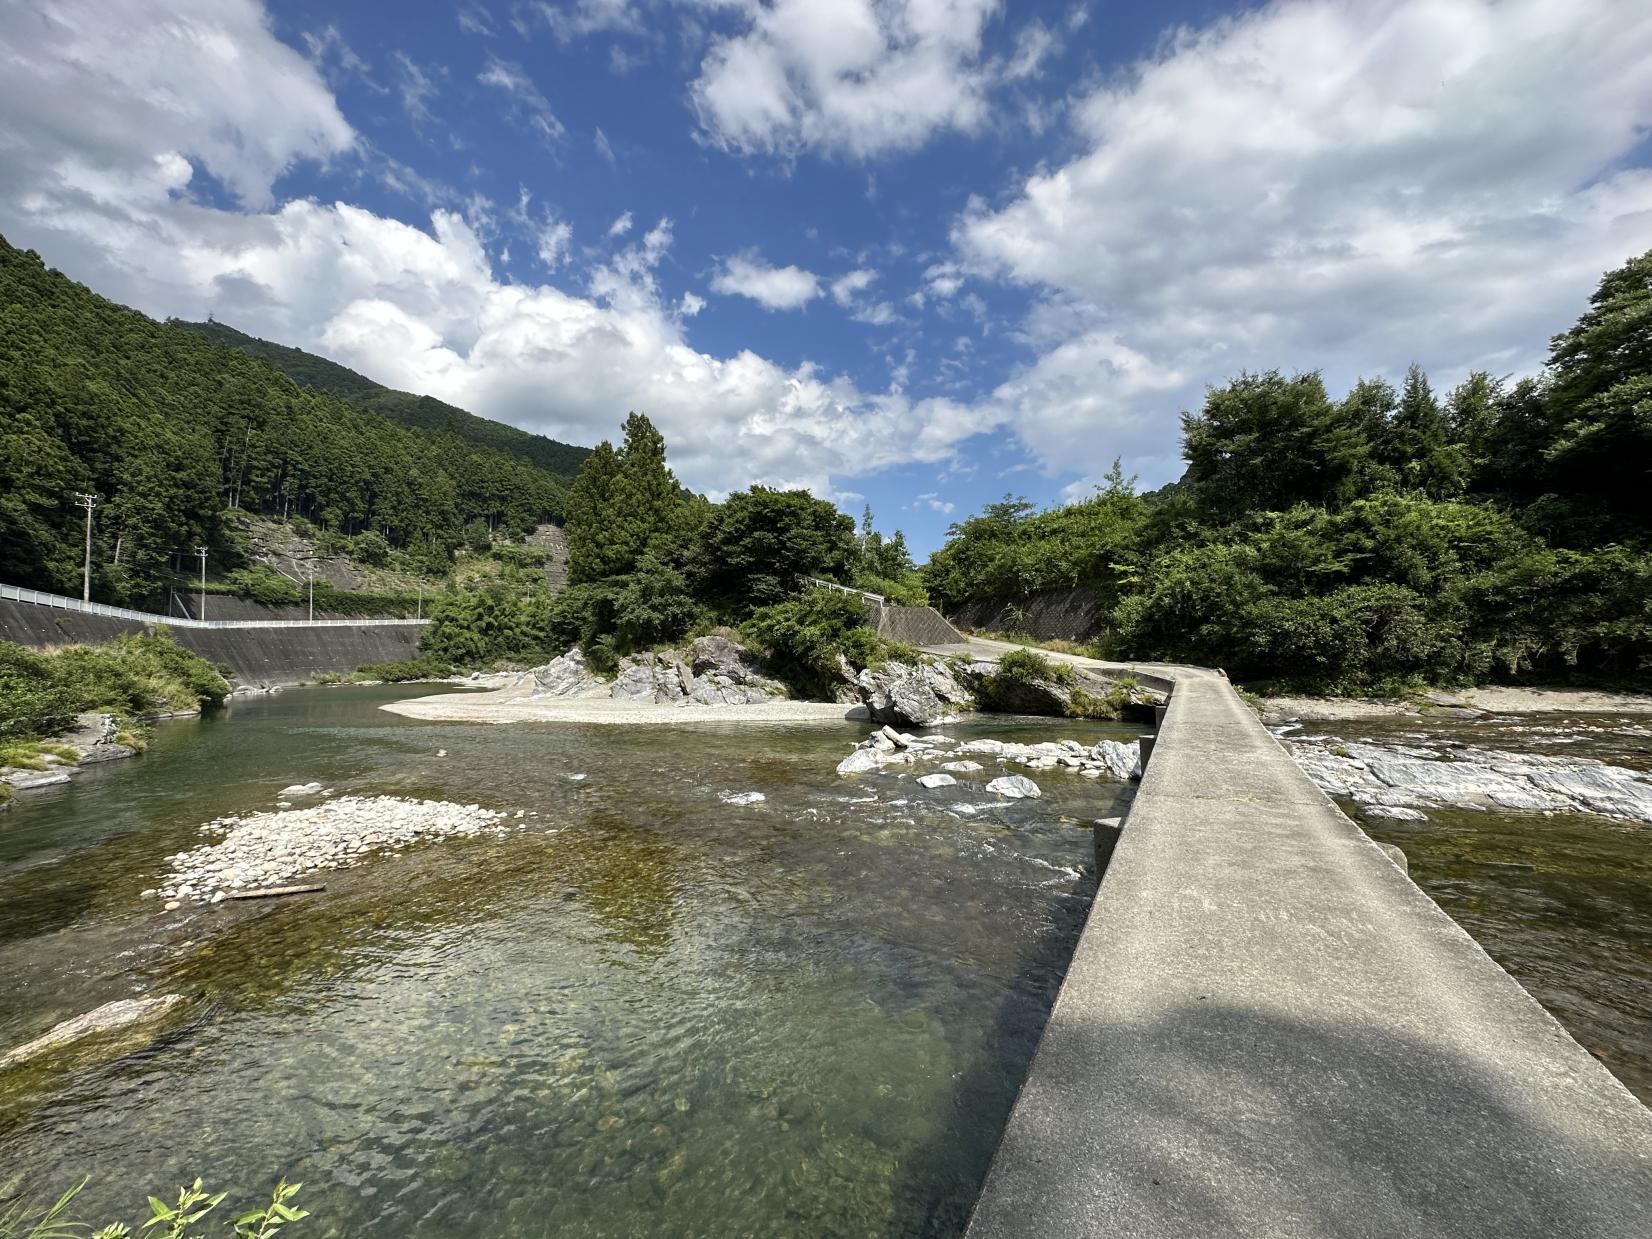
645,494
1600,396
1419,446
593,551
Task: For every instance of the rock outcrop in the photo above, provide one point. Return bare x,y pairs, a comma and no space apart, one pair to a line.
727,673
1386,778
568,676
912,694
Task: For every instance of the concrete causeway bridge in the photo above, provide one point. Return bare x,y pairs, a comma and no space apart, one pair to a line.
1268,1029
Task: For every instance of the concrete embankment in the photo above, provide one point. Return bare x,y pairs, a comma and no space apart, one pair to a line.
274,655
1268,1030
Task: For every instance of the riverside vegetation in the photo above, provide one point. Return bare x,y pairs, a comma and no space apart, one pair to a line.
1376,542
165,1221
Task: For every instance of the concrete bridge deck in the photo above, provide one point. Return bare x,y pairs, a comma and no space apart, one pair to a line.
1268,1030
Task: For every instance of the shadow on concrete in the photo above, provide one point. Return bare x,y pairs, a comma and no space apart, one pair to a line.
1218,1120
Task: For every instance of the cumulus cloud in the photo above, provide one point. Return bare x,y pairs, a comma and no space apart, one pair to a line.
1332,184
528,103
854,77
621,225
773,288
107,124
95,107
847,287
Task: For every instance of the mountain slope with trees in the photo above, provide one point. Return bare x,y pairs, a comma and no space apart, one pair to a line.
1381,540
172,432
403,408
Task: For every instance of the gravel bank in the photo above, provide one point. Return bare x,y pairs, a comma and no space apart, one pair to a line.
1496,699
516,705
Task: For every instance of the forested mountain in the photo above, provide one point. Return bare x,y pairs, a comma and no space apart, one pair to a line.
421,412
1382,539
171,430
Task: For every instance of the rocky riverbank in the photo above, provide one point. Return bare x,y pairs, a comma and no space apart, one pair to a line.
264,850
1401,781
91,741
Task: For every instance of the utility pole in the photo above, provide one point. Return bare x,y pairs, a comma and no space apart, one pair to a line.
87,501
312,591
419,614
202,552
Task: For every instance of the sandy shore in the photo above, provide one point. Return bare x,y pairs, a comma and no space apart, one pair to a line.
515,705
1496,699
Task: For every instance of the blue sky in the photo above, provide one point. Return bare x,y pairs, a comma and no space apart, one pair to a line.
915,253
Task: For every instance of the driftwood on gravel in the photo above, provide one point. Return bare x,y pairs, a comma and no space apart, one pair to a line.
270,892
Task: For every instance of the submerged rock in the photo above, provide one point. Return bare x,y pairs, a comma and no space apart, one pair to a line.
1015,787
124,1014
742,798
936,780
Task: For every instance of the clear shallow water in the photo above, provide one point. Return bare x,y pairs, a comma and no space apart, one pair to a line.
670,1016
1563,902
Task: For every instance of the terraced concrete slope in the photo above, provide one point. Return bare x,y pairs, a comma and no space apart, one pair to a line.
1269,1030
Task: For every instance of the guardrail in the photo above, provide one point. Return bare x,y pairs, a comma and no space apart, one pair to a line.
875,599
60,603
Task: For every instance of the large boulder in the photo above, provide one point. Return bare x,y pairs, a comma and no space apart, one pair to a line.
912,694
568,676
662,678
724,672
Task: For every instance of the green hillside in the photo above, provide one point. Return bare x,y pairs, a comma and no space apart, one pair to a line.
172,431
421,412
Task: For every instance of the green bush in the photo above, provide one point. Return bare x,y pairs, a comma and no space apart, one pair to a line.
406,669
264,585
498,621
370,548
132,675
803,639
174,1221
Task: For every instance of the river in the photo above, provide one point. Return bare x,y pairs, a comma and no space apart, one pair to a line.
648,1013
1562,900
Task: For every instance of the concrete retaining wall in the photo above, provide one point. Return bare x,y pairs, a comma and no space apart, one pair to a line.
1060,614
1268,1030
253,655
916,626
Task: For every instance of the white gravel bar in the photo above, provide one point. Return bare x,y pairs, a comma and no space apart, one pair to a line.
517,705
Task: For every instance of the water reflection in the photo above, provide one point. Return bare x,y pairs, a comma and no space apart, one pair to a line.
647,1012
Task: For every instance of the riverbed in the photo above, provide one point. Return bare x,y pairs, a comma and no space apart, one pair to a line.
1563,900
646,1011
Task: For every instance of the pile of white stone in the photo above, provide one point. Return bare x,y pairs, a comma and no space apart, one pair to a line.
263,850
888,747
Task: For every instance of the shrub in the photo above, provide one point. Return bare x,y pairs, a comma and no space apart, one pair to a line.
802,639
264,585
407,669
370,548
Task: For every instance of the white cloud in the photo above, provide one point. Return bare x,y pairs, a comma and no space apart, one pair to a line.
1333,184
105,119
555,237
621,225
415,87
854,77
529,105
94,104
934,502
773,288
474,19
846,288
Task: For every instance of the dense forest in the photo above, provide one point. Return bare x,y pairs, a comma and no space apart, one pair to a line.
403,408
172,431
1385,539
650,564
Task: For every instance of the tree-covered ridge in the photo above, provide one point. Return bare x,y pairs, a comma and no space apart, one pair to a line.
404,408
1383,538
171,431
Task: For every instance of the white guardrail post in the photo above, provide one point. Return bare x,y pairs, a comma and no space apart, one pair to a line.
59,602
877,600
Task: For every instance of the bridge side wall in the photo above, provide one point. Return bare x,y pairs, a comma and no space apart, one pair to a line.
253,655
916,626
